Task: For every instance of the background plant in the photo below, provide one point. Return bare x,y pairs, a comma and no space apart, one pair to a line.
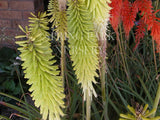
131,75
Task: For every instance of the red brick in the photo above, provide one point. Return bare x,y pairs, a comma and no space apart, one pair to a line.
21,5
10,32
10,14
15,23
5,23
27,14
39,5
3,4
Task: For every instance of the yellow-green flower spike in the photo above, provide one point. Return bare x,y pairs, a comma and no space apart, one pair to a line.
100,14
46,84
53,9
58,19
83,46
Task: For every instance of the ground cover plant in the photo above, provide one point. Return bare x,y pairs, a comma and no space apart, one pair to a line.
99,60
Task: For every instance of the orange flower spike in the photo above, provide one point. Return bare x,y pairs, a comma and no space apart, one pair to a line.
155,33
115,12
148,19
140,32
146,8
128,16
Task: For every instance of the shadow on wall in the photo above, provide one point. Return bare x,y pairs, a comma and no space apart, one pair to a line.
46,4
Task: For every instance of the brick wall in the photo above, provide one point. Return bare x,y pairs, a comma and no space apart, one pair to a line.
15,12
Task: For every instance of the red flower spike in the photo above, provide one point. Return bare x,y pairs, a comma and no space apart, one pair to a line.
155,33
123,10
134,9
128,16
115,12
145,7
148,18
140,32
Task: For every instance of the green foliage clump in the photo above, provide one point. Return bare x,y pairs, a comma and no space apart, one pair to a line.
8,76
139,114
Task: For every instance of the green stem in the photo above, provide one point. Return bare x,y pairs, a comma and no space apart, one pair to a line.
157,98
62,60
88,107
156,102
121,53
145,89
154,55
157,2
103,78
102,43
62,7
153,45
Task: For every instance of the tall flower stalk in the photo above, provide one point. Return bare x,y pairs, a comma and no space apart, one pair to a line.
100,16
57,11
83,46
157,98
